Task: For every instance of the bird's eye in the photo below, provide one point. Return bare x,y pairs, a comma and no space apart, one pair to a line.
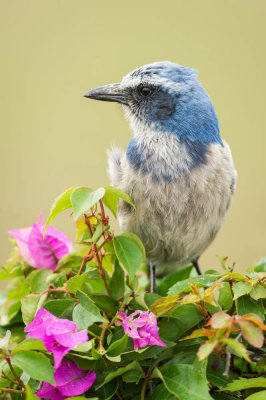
145,91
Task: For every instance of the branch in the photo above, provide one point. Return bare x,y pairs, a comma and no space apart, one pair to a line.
19,381
62,289
94,250
104,329
12,390
8,378
228,358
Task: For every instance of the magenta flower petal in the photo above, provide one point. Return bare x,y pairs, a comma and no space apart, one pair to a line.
58,335
48,391
70,339
42,252
72,381
22,236
141,326
59,353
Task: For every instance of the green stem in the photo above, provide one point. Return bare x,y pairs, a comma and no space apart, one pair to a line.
93,334
12,390
19,381
143,390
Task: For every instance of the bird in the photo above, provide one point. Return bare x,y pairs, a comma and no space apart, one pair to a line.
177,169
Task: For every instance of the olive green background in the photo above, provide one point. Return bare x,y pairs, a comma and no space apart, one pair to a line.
52,51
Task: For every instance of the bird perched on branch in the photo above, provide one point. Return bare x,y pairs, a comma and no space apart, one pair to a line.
177,169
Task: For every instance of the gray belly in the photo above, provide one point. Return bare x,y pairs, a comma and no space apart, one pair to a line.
177,221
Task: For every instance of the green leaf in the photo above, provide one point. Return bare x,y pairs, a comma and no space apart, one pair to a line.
184,382
5,341
225,299
241,288
30,305
118,347
61,308
223,396
215,370
172,278
97,233
238,347
221,320
29,344
261,266
150,298
83,199
108,391
120,371
258,292
243,383
203,280
38,280
246,305
206,349
104,302
132,376
182,319
138,242
161,393
29,394
252,333
34,364
76,282
257,396
86,313
129,254
61,203
112,196
117,282
84,347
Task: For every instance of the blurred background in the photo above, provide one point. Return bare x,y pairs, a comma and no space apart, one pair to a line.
52,138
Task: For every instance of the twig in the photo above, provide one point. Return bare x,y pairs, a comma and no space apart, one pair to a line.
12,390
62,289
19,381
86,258
8,378
94,250
104,329
228,358
105,220
101,271
87,222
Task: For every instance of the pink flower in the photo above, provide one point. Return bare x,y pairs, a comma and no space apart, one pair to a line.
70,381
58,335
142,329
41,252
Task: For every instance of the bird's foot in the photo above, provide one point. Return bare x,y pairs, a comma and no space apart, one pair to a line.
196,265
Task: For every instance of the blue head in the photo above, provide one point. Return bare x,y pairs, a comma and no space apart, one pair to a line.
165,97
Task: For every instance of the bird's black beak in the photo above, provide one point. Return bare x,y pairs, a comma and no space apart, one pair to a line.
112,92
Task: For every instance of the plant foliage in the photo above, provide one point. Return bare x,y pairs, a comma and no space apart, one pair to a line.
211,327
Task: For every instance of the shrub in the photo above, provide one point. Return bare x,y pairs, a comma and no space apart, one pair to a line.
81,321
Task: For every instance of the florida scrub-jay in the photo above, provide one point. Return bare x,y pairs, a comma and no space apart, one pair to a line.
177,169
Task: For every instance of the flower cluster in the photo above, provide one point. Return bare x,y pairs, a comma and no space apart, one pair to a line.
59,337
142,328
41,251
